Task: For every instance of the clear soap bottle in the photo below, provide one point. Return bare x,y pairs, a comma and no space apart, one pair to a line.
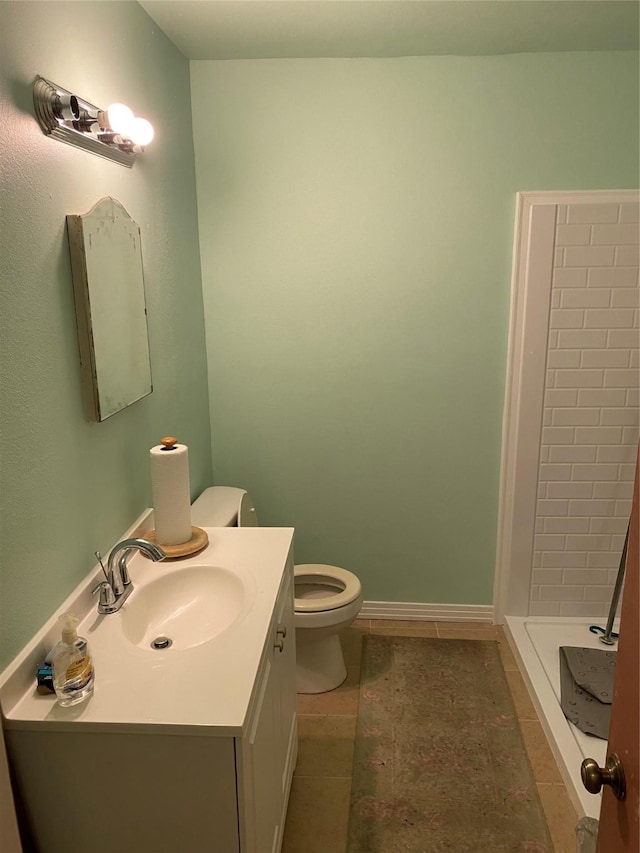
73,673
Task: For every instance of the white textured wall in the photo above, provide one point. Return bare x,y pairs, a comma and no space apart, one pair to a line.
590,432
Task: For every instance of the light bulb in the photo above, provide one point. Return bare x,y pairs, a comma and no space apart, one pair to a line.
141,131
120,119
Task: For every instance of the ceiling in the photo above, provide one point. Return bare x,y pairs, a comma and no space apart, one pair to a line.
269,29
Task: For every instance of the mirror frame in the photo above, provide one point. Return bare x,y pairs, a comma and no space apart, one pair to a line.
108,218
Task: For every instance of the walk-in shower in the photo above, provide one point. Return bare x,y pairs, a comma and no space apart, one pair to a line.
570,438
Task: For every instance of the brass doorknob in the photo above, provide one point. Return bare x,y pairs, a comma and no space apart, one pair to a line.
594,777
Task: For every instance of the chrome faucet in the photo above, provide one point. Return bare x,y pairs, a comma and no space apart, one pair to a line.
115,590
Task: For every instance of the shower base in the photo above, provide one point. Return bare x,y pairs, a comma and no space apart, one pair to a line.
535,642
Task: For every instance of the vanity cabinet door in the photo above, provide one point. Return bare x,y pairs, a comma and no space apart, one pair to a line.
285,662
262,803
268,753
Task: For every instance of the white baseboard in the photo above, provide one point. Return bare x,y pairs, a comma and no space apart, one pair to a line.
426,612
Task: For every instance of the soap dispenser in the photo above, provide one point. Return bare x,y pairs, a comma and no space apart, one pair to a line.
73,673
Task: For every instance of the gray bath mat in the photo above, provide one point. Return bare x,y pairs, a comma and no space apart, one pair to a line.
586,688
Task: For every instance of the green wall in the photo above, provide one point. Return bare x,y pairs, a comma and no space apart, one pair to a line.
68,487
356,227
356,222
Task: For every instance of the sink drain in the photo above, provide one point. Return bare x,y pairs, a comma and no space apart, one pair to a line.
161,643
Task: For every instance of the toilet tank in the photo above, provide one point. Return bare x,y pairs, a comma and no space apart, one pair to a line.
223,506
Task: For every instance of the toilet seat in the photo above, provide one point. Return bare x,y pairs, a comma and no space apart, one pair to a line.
346,584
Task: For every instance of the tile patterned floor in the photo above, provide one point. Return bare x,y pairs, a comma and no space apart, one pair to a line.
318,814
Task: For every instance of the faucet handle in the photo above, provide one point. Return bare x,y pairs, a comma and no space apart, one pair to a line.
107,596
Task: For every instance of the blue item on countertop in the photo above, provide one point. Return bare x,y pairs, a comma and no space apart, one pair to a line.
44,678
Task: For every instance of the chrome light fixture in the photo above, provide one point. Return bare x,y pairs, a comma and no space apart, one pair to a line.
114,133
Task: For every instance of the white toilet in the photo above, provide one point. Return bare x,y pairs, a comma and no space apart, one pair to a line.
327,598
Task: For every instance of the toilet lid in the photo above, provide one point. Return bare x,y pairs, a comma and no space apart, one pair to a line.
349,587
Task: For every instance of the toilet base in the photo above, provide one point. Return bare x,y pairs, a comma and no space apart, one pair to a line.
319,663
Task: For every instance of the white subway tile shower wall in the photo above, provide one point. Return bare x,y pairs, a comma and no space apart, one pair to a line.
590,432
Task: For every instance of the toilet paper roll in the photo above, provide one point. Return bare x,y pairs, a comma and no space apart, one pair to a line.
171,492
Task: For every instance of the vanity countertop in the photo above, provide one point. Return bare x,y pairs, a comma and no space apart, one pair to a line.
202,690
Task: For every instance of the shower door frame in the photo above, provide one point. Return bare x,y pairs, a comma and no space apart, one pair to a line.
532,269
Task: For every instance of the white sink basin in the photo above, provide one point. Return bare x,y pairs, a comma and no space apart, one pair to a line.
188,607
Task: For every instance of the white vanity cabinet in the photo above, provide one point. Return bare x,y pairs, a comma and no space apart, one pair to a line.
267,755
186,781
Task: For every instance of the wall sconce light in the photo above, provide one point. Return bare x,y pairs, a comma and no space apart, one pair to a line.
114,133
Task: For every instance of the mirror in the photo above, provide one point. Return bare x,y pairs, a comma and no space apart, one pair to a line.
108,286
